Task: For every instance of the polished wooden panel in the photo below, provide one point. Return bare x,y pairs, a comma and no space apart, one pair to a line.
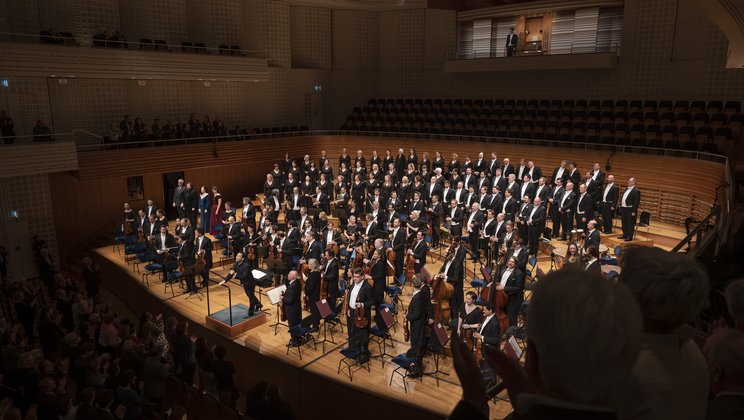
38,158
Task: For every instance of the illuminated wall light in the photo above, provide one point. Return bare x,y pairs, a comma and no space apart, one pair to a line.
62,81
4,83
207,84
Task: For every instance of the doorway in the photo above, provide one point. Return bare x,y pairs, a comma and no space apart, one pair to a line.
170,182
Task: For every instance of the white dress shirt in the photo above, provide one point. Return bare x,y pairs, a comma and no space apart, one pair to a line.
625,196
607,191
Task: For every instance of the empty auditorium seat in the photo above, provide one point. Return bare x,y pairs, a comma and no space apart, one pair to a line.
145,43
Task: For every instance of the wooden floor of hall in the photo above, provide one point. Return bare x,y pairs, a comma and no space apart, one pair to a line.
439,399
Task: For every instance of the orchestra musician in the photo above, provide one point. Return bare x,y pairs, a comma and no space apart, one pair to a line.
418,250
203,249
330,275
509,206
556,195
591,261
331,238
186,256
593,237
471,314
397,244
629,209
566,208
242,271
251,239
608,203
511,281
186,229
321,200
435,209
352,227
489,331
473,226
520,253
453,270
454,218
179,197
524,209
235,235
248,216
418,314
292,301
378,271
128,226
535,222
360,296
314,248
191,203
312,292
163,242
584,207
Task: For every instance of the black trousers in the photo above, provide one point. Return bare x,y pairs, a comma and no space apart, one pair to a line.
457,300
628,221
190,276
435,234
567,219
204,276
250,290
512,308
358,337
607,216
581,224
534,239
555,217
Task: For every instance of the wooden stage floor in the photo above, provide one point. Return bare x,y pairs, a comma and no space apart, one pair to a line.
439,399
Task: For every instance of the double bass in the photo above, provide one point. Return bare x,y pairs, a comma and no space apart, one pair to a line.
498,298
441,292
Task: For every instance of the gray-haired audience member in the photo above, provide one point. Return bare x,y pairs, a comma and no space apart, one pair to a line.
583,339
671,374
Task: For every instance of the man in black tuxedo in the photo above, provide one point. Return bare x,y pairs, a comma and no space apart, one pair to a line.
543,191
186,256
419,250
331,237
490,331
248,216
359,296
378,271
629,209
534,172
511,280
510,207
416,204
292,301
473,226
322,201
511,43
556,195
329,272
495,199
203,249
573,174
453,270
242,271
287,245
314,248
520,253
431,189
435,207
398,244
453,216
535,222
608,203
163,242
418,314
592,188
566,208
593,237
493,164
560,173
483,181
187,229
235,235
151,208
524,211
179,198
584,207
191,202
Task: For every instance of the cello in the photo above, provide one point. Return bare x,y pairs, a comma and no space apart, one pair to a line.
441,291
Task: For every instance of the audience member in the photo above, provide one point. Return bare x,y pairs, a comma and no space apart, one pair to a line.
583,338
42,132
735,302
671,289
7,130
725,353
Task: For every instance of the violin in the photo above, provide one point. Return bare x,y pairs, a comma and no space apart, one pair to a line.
360,318
406,331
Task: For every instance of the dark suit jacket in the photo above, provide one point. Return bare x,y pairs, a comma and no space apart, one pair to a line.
243,272
292,302
206,245
538,218
366,297
511,209
312,287
612,195
419,251
417,318
543,193
594,268
492,332
592,239
191,199
574,177
586,206
633,200
169,242
399,242
331,274
456,271
570,203
315,250
514,284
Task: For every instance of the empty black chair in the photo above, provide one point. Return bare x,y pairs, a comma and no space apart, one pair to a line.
160,44
235,50
714,107
732,107
681,106
635,106
98,40
650,106
199,47
187,46
46,37
223,49
697,106
145,43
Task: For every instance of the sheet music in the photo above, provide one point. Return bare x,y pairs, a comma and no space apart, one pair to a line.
257,274
275,294
515,347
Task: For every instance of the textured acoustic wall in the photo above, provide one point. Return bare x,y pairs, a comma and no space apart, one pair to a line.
311,38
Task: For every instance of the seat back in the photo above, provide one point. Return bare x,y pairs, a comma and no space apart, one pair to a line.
645,218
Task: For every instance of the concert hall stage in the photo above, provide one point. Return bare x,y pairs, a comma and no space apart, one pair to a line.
312,385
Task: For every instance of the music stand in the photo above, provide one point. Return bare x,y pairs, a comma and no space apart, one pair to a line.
440,339
275,298
326,315
276,265
191,271
340,214
261,277
385,317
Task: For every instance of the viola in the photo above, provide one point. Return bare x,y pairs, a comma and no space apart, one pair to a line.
360,318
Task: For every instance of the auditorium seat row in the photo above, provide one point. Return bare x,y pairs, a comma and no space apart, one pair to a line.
663,124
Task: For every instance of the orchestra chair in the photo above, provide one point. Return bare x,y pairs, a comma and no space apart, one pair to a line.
119,239
212,408
151,269
612,275
219,236
131,247
428,239
302,334
532,262
644,222
172,275
404,370
145,257
343,256
380,333
350,359
394,291
328,323
478,284
194,402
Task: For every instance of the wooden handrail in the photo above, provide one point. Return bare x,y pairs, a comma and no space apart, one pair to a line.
698,231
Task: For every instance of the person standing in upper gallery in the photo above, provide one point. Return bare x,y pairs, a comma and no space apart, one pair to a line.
511,43
7,130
